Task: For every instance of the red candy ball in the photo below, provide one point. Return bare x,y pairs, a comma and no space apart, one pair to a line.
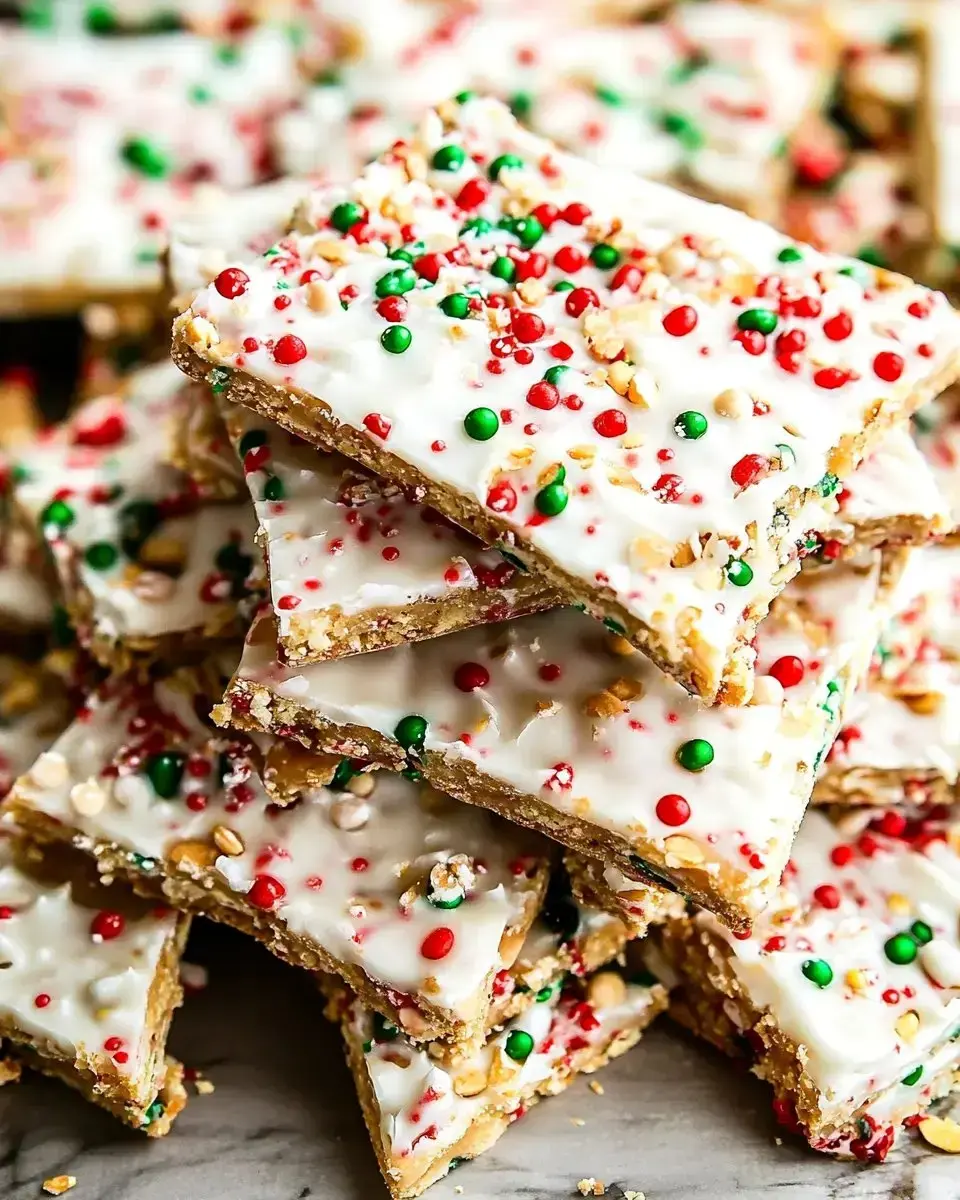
610,423
470,675
787,671
678,322
438,943
266,891
888,366
673,809
231,282
107,925
288,350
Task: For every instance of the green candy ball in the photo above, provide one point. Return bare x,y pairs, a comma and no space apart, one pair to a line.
690,425
551,500
396,283
519,1045
503,268
448,158
914,1077
165,772
555,374
921,932
481,424
101,556
273,489
396,339
818,971
346,215
739,573
250,441
143,156
342,775
695,755
762,320
790,254
58,513
383,1030
604,256
456,306
529,230
410,731
900,949
504,162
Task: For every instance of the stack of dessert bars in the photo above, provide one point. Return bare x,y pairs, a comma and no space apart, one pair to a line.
527,595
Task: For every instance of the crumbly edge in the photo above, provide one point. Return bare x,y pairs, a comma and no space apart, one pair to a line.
711,1002
487,1128
312,420
903,529
329,633
218,477
464,781
95,1074
873,785
194,888
589,886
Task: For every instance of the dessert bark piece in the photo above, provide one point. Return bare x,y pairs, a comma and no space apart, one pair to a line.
900,738
604,888
638,416
424,1116
416,900
90,982
34,709
847,993
107,139
146,570
353,564
559,725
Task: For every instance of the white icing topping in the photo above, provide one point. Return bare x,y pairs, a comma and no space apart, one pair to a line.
634,502
576,728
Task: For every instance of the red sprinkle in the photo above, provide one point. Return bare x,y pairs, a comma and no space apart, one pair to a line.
575,214
673,809
288,350
579,300
830,378
610,423
107,432
838,328
543,395
438,943
266,891
378,425
678,322
569,259
827,896
470,675
888,366
749,470
472,194
527,327
42,1000
286,603
107,925
501,497
231,282
841,856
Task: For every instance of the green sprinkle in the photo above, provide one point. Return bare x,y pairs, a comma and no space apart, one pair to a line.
614,626
739,573
563,285
921,932
101,556
520,105
342,775
555,374
608,96
145,157
914,1077
396,339
410,732
448,158
154,1112
686,132
504,162
59,514
463,97
273,489
519,1045
456,305
529,230
690,425
790,254
476,225
165,772
827,485
604,256
763,320
481,424
397,282
695,755
818,971
900,949
251,440
218,379
383,1030
503,268
228,55
346,215
551,500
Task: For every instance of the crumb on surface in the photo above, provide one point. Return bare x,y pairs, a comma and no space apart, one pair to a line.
592,1187
204,1087
59,1184
634,1196
595,1087
578,1121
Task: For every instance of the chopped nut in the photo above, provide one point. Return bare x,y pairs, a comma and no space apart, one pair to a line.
470,1082
59,1184
88,798
733,403
362,785
227,841
595,1087
626,689
642,389
412,1021
592,1187
201,334
683,556
924,704
650,551
606,989
192,855
603,704
578,1121
350,812
531,291
583,454
618,645
163,553
548,474
318,297
21,695
685,850
619,375
907,1025
767,690
941,1132
204,1086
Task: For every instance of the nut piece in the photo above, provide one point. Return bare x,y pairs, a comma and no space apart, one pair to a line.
192,855
470,1082
684,850
941,1132
907,1025
59,1184
733,403
606,990
603,704
227,841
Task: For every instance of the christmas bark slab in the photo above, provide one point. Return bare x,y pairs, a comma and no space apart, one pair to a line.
631,390
353,564
109,139
847,994
424,1116
601,887
145,568
417,901
900,737
90,982
552,722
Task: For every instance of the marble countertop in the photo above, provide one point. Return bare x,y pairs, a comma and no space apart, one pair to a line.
675,1120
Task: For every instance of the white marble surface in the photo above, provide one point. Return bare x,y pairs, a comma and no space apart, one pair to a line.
676,1121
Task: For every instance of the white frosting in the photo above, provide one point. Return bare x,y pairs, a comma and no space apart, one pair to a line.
81,991
352,871
623,521
421,1114
74,213
535,725
339,543
854,1032
112,453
